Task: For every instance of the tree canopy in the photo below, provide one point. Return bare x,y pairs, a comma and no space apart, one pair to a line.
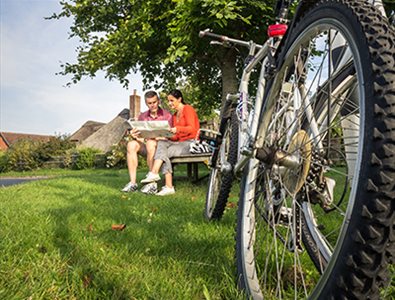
160,39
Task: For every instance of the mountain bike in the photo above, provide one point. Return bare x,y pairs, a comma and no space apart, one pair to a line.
316,150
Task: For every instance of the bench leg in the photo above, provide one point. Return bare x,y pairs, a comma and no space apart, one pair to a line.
189,170
195,171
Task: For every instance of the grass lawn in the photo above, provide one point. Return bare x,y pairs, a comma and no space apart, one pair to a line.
57,242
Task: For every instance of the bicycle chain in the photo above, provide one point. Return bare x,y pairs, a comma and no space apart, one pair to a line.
316,172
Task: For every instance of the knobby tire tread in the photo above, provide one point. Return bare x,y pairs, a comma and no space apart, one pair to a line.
361,269
227,178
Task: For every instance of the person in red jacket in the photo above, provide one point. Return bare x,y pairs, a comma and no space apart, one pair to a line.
185,129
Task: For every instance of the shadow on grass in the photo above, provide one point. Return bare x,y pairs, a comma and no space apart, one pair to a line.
167,229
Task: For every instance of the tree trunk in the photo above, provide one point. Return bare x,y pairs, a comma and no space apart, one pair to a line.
229,74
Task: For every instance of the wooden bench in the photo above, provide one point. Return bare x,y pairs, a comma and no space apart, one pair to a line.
193,160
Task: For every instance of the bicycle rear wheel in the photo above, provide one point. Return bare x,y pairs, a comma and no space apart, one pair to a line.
316,212
220,183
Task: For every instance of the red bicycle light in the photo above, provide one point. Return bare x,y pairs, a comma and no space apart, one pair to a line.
277,30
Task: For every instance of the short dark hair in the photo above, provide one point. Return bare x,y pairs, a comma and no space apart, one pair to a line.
177,94
150,94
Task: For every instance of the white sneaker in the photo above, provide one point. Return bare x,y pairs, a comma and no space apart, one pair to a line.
166,191
151,177
130,187
150,188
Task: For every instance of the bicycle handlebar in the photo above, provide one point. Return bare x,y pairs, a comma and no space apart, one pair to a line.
225,39
207,33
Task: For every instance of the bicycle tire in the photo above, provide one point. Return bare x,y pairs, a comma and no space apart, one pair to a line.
220,184
357,266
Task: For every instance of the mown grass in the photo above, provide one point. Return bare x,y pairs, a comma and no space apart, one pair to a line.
57,242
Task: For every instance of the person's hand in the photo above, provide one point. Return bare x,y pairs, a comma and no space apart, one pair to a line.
173,130
134,133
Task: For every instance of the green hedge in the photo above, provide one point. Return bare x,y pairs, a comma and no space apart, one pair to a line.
58,152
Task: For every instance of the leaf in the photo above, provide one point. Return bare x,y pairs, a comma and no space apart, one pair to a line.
118,227
87,281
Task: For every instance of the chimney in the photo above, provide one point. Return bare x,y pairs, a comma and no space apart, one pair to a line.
134,106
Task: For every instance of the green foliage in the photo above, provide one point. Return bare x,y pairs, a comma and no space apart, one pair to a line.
117,156
3,161
389,6
27,154
23,156
160,39
86,158
68,158
56,146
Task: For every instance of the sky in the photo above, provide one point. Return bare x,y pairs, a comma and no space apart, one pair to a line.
33,99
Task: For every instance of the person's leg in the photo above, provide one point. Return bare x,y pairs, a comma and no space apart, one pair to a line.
157,164
151,148
133,147
175,149
160,154
169,180
161,151
168,188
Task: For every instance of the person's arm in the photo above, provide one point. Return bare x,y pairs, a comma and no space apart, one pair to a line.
192,122
169,118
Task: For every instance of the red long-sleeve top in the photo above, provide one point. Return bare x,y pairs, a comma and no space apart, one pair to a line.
187,124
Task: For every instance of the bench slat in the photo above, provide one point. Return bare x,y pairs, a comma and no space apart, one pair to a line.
191,158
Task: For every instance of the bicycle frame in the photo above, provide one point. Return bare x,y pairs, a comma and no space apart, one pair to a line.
251,127
301,143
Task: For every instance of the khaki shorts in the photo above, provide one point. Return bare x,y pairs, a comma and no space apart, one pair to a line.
168,149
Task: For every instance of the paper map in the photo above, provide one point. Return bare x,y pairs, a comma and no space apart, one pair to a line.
152,129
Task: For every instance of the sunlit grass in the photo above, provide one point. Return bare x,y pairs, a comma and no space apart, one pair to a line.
57,242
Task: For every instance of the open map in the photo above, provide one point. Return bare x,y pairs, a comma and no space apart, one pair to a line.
152,129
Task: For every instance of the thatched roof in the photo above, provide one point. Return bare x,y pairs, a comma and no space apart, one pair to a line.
109,134
85,131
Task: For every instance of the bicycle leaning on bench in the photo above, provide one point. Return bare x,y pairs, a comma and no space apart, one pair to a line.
315,149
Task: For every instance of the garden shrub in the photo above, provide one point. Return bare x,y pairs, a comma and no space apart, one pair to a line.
116,158
69,158
3,161
23,156
56,146
86,158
